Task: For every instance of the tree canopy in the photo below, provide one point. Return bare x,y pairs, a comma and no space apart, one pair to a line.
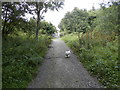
106,19
74,21
13,15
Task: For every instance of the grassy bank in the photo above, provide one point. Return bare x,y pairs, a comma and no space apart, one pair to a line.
101,58
21,57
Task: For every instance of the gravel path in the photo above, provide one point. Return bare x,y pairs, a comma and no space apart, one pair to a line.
60,72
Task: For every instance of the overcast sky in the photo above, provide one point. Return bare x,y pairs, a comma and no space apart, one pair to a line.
55,17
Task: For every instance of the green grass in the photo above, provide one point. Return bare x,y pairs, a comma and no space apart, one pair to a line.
21,57
100,60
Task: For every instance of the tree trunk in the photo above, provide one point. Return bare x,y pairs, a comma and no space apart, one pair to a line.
37,30
38,20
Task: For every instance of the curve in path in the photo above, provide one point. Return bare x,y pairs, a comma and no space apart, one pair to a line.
60,72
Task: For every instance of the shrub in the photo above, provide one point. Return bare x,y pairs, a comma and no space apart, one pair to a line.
101,60
21,57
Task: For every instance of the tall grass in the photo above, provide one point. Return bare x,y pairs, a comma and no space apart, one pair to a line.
21,57
101,59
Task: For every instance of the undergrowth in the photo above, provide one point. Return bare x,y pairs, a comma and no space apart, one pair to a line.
21,57
101,59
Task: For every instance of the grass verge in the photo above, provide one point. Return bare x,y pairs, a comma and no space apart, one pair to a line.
101,59
21,57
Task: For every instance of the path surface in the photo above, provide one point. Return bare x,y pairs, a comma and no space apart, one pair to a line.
60,72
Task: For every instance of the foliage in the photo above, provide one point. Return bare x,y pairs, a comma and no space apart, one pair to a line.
20,59
22,54
109,20
97,45
74,21
101,61
29,27
39,8
47,28
12,16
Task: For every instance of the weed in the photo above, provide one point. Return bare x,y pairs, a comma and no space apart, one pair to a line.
21,57
101,59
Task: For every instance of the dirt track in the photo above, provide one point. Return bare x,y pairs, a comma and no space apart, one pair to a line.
60,72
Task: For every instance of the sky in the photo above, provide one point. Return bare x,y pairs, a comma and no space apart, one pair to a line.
55,17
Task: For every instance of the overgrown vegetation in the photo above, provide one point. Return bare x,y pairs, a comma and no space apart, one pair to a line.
93,36
21,58
24,47
101,61
13,13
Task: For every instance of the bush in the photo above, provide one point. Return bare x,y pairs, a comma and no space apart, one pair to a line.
101,61
20,59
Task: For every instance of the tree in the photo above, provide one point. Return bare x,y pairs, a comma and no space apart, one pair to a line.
12,16
107,20
39,8
29,27
47,28
75,21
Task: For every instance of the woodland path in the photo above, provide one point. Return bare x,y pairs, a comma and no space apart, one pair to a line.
60,72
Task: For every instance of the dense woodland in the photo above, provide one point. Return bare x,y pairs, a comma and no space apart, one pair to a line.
93,36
